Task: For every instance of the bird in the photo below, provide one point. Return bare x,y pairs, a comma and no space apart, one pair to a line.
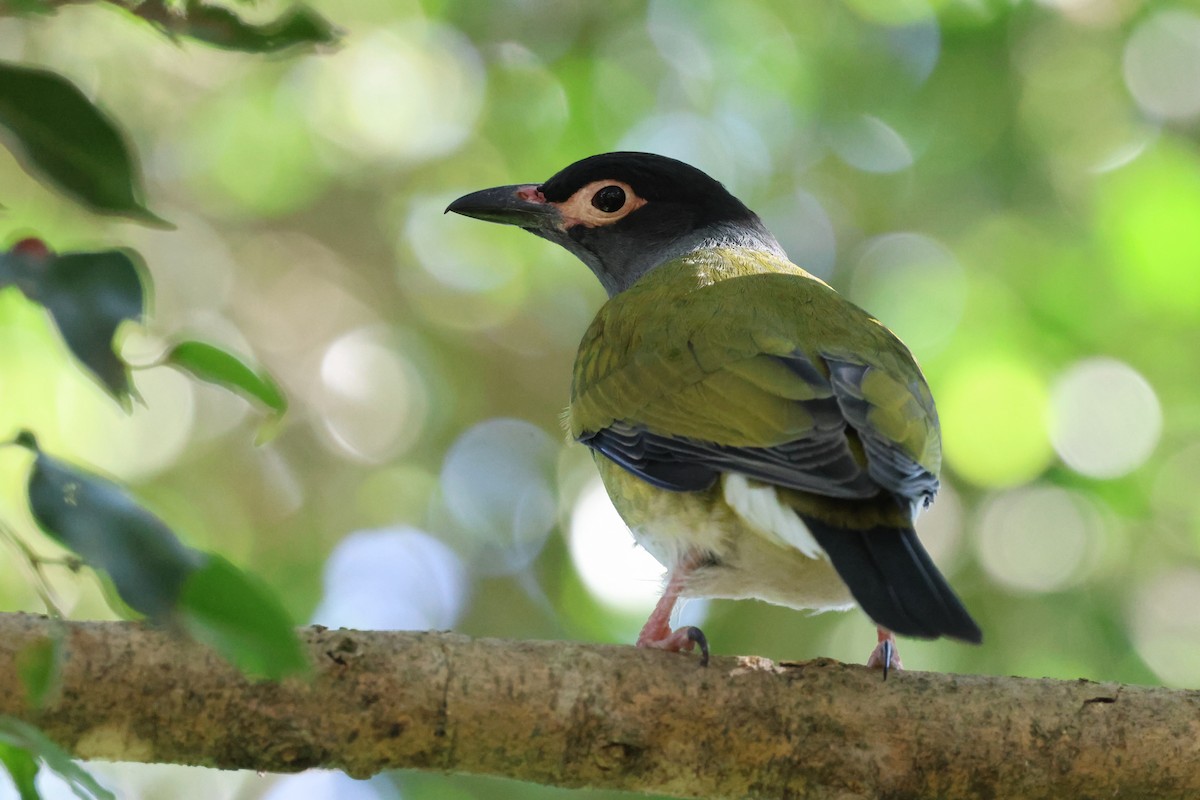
761,436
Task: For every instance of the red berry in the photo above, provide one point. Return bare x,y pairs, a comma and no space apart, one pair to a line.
32,247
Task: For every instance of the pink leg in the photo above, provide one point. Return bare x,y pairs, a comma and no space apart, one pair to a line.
657,631
885,656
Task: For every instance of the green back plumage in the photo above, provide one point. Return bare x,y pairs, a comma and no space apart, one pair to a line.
694,349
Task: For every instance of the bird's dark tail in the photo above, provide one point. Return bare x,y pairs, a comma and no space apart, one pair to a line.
895,582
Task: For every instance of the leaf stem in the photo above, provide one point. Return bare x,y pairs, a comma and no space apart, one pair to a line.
35,563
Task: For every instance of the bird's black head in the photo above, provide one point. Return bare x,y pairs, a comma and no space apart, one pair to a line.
623,214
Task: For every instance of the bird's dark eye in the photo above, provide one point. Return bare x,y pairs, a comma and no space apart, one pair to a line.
609,199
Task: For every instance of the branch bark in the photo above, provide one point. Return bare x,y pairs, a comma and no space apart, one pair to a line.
604,716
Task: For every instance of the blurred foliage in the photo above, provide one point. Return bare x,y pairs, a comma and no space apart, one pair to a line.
222,27
72,143
146,562
1013,187
39,665
88,295
214,365
22,747
156,574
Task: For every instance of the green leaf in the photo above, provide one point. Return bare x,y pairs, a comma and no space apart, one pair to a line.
15,733
22,768
58,135
88,295
212,364
26,7
241,618
40,667
97,519
222,28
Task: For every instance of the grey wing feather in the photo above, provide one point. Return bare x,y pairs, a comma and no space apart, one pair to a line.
821,462
891,467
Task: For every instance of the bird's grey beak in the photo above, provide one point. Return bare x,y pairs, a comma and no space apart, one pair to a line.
521,205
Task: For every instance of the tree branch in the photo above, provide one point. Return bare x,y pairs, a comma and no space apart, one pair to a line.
603,716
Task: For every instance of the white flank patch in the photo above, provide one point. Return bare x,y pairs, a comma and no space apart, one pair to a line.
759,506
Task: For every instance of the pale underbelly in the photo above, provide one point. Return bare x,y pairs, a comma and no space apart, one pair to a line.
758,553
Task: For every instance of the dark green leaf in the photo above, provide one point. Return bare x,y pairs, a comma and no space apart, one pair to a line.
221,27
89,295
26,7
15,733
240,617
97,519
40,667
209,363
22,768
58,134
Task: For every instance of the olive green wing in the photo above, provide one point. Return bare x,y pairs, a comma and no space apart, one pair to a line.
774,376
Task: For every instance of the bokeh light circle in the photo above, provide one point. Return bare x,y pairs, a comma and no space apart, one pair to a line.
1174,498
1162,64
320,784
1165,628
615,570
131,446
394,579
373,401
993,412
1146,217
1039,538
467,258
940,526
499,489
917,44
249,156
406,94
1105,418
805,231
899,277
720,146
870,144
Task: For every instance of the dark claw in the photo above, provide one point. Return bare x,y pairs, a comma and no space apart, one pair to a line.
696,635
887,657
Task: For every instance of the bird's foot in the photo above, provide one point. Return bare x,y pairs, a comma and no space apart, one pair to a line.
678,640
885,656
657,632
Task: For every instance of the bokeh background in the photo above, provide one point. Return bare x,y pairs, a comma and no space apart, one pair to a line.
1013,187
